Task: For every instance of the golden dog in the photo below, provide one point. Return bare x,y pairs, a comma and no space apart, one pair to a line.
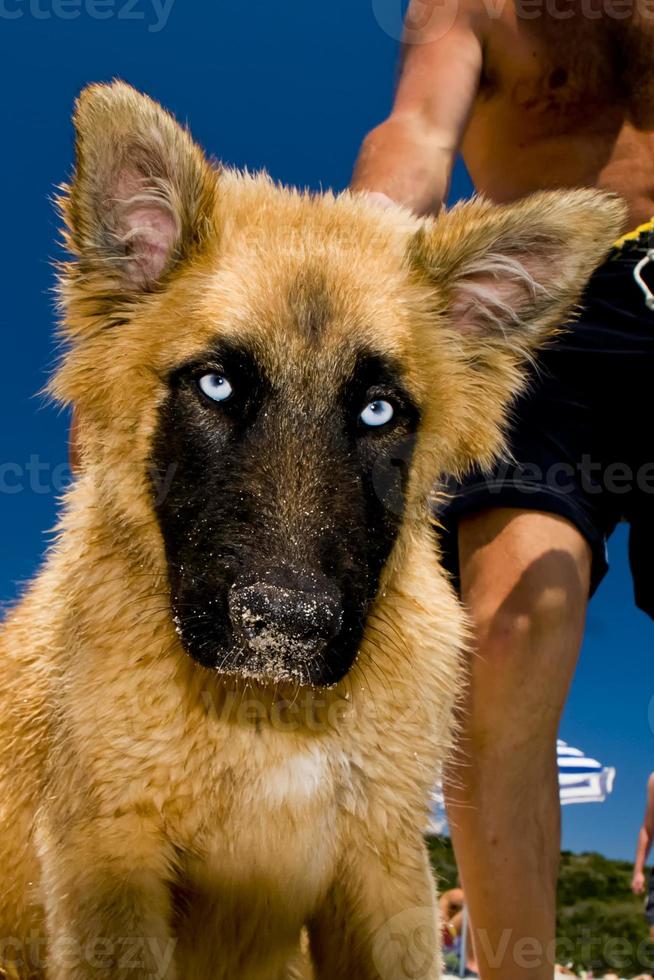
225,696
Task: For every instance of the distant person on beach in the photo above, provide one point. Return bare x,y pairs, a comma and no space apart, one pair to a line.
537,95
451,904
645,838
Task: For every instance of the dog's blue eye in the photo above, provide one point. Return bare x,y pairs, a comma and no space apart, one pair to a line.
216,387
377,413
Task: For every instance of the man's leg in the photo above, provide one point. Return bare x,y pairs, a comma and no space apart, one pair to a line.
525,580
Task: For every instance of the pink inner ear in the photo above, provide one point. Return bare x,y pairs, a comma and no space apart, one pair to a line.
498,294
151,235
148,227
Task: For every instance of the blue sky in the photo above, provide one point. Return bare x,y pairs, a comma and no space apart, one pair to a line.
292,87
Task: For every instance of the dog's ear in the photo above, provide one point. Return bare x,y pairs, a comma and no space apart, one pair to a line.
511,273
141,196
501,280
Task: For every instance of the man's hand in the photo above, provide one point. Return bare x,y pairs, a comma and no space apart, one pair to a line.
380,200
638,883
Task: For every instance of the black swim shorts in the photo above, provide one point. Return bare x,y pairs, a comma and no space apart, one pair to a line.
582,442
649,901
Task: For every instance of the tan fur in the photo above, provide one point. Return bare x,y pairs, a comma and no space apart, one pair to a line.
132,782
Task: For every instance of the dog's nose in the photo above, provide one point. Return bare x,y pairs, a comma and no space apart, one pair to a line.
264,609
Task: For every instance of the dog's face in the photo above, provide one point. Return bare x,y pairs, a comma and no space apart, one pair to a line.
275,529
268,383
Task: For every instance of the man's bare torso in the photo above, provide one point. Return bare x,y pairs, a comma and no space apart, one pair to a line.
566,99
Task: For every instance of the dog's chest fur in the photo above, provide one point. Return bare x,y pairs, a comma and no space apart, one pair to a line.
245,808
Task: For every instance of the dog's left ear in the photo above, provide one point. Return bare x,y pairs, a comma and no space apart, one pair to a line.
509,273
500,281
142,194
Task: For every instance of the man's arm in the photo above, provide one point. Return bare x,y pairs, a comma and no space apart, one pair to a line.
409,157
645,838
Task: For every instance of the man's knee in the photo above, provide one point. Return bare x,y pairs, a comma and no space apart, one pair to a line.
537,622
525,580
525,585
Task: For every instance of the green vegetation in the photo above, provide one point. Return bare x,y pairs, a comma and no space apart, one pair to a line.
600,922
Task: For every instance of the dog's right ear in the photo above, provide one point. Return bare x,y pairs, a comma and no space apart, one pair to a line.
141,199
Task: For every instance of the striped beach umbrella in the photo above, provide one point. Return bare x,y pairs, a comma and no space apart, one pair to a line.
582,780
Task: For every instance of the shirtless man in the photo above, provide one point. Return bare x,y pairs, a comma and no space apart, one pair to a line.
645,839
537,94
